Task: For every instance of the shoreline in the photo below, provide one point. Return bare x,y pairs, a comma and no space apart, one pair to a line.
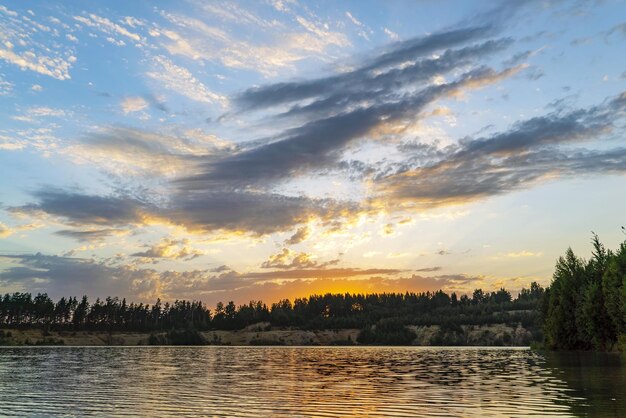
495,335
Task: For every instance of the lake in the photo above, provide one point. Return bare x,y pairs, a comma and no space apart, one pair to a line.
308,381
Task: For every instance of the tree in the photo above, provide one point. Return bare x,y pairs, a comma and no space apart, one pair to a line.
614,289
561,329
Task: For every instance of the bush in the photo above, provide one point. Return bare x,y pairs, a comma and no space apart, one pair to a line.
621,343
186,337
263,341
388,331
155,339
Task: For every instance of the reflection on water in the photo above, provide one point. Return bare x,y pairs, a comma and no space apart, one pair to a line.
311,381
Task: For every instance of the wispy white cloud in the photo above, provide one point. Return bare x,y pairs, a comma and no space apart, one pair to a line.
283,5
182,81
107,26
133,104
19,47
523,253
354,19
391,34
5,87
34,114
198,40
46,111
323,32
54,67
363,30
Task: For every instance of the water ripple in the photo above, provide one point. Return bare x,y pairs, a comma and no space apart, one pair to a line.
289,381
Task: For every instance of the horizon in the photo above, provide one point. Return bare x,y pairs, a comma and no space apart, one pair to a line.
274,150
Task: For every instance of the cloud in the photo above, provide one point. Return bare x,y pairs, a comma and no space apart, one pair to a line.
329,37
398,53
257,213
265,53
64,276
319,273
35,114
133,104
107,26
523,253
91,235
300,235
25,43
205,185
517,158
619,28
180,80
555,128
287,259
391,34
80,209
354,19
220,269
170,249
388,229
5,231
130,151
5,87
319,143
211,190
53,67
428,269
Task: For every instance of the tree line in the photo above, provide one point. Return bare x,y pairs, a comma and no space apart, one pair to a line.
378,312
585,306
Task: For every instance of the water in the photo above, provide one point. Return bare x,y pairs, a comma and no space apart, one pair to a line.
308,381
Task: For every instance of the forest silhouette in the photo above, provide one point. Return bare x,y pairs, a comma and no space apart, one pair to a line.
583,309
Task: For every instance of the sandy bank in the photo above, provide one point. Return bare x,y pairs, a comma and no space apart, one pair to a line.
488,335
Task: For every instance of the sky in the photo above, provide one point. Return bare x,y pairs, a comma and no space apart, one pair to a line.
274,149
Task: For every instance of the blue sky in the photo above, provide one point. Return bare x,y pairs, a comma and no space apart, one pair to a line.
261,150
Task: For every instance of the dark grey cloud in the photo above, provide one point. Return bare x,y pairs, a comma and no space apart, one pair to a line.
67,276
555,128
280,93
82,209
320,142
428,269
385,86
90,235
332,112
529,152
255,212
220,269
468,180
300,235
